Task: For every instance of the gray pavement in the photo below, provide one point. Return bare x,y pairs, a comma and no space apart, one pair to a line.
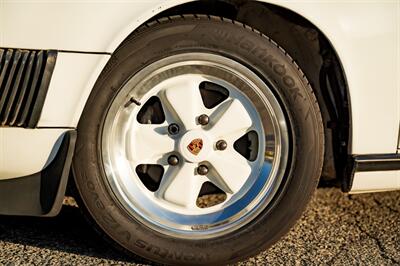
336,229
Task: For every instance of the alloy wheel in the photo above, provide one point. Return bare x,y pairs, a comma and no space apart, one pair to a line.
187,126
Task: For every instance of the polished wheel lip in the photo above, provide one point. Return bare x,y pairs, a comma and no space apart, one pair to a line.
252,206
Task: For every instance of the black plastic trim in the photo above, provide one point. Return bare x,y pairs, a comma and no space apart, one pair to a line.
40,194
377,162
24,80
369,163
44,86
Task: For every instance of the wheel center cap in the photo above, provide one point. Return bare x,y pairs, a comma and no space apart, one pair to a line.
195,146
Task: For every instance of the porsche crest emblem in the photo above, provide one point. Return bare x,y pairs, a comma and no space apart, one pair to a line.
195,146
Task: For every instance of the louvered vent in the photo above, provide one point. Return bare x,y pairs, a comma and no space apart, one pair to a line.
24,80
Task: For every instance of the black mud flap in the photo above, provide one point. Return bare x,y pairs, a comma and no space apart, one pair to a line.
40,194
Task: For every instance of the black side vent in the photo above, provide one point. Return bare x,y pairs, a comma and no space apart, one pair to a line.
24,79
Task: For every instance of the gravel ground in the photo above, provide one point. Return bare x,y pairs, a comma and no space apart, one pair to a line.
336,229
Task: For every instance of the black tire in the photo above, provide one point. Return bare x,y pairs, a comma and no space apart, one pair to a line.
174,35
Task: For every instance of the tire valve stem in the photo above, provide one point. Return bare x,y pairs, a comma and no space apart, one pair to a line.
132,100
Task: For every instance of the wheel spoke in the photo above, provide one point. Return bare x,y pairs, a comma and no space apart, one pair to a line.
183,99
148,143
230,119
181,186
232,170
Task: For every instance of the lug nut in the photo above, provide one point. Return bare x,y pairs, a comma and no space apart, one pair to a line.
221,145
173,160
202,170
203,119
173,129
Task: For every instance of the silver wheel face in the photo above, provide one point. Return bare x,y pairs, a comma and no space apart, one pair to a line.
190,121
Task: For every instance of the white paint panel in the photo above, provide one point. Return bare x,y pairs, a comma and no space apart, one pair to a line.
73,79
72,25
375,181
26,151
365,35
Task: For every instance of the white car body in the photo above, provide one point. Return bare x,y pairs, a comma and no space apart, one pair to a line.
365,35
